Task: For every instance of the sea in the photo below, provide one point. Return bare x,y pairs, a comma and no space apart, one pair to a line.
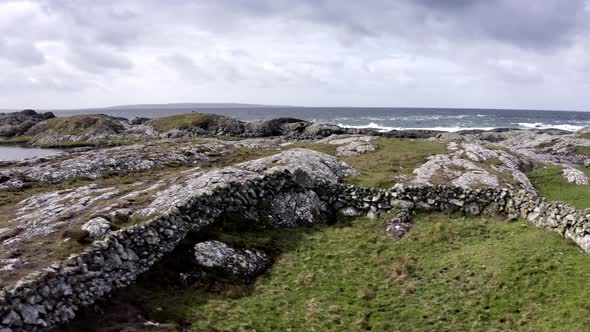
384,119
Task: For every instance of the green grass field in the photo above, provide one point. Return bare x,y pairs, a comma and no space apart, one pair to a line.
548,181
449,273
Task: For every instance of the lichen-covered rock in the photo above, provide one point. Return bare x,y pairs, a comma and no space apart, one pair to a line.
552,146
313,166
471,165
245,264
97,227
575,176
292,209
399,225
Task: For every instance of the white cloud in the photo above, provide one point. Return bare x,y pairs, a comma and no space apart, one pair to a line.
310,52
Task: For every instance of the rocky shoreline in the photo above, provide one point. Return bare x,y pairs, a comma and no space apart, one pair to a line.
107,212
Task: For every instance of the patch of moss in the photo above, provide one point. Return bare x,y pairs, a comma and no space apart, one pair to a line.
584,150
449,273
15,140
494,161
323,148
78,235
548,180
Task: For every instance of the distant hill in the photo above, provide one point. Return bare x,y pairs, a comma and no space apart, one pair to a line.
186,105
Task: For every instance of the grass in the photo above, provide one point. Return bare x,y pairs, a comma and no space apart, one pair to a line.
393,157
179,121
548,180
323,148
78,124
584,150
15,140
584,135
449,273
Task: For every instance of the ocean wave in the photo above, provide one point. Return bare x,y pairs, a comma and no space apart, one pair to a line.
381,128
540,125
407,117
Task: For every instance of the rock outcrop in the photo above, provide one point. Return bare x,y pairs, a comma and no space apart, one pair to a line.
130,158
550,146
473,165
17,124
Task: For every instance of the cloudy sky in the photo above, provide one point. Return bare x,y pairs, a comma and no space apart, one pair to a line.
451,53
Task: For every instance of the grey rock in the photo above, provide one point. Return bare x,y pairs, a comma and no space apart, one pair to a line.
399,225
472,165
30,314
575,176
16,124
350,212
245,264
97,227
297,209
12,319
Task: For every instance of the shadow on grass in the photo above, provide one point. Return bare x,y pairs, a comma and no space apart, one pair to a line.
127,310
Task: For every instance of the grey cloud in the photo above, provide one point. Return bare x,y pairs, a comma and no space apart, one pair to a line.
185,67
21,53
315,45
96,60
538,24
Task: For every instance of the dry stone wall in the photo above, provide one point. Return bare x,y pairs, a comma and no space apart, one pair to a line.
556,216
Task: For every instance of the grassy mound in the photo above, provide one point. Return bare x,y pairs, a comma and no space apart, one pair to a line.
66,132
449,273
181,121
548,180
79,125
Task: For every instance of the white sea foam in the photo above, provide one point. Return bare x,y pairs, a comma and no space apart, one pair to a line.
381,128
540,125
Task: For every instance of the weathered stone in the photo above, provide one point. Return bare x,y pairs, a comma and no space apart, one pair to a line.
245,264
399,225
297,209
97,228
575,176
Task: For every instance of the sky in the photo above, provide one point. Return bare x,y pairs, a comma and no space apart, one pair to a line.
532,54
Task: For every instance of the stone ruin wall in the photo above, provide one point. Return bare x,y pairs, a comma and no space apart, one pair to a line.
51,296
